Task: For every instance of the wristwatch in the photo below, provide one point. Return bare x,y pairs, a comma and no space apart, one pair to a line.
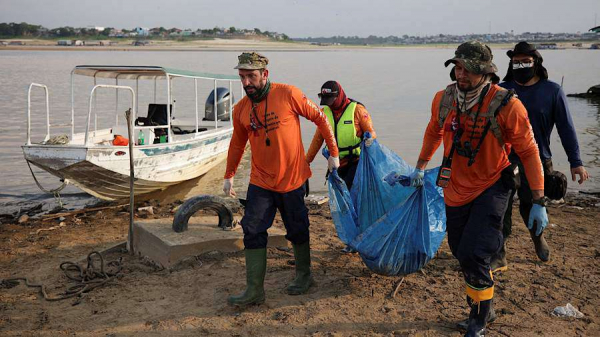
543,201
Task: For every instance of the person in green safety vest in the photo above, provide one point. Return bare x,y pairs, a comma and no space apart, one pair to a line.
349,121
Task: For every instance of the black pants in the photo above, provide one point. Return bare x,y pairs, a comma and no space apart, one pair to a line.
475,235
261,206
348,171
525,196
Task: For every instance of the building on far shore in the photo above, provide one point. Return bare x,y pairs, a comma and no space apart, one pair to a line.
140,31
99,29
84,43
547,46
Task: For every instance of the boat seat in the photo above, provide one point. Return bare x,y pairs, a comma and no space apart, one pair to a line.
179,131
157,115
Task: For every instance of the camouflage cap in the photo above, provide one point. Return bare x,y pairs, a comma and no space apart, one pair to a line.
252,61
475,56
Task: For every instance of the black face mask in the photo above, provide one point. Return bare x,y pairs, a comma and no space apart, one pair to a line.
523,75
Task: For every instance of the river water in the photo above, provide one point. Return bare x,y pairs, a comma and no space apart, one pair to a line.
396,85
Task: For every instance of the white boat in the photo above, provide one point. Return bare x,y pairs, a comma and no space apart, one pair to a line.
171,153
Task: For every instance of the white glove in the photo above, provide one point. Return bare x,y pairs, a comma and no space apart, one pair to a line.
228,187
369,142
333,163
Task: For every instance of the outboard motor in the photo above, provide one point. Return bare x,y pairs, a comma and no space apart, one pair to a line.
223,105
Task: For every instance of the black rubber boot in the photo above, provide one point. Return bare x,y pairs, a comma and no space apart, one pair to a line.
541,246
303,280
256,268
478,318
464,325
499,263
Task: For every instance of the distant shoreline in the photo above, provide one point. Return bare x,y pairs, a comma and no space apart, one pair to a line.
231,45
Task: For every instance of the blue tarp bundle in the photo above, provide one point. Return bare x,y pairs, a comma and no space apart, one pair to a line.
396,229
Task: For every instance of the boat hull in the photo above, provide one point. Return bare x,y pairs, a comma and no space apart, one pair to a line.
103,171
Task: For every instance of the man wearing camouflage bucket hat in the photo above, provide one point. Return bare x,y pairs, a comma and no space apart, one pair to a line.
268,118
478,122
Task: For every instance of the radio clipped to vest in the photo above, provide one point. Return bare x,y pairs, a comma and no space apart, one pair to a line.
443,178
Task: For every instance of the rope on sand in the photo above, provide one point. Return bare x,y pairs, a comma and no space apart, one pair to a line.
86,279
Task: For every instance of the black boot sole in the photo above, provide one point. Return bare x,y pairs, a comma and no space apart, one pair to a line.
244,305
462,325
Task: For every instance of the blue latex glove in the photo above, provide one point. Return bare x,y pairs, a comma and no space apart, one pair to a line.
538,214
325,153
394,178
416,178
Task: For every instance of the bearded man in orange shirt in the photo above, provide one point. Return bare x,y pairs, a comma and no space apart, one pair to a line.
476,174
268,117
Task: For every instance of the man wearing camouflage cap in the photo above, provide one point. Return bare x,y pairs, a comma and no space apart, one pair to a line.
268,117
478,122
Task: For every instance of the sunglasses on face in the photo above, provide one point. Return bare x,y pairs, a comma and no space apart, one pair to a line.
522,64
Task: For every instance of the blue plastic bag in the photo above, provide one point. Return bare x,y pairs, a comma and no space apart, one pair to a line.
396,229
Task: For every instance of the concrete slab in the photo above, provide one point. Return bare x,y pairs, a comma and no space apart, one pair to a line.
156,239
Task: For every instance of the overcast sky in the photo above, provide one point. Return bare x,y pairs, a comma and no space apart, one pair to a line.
304,18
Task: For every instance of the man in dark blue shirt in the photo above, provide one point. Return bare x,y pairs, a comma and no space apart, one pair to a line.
546,106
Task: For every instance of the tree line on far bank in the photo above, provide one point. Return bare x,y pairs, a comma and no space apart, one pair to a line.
25,30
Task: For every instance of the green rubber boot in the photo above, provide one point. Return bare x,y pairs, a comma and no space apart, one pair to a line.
303,280
256,268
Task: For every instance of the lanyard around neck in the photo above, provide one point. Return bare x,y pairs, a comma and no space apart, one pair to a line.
254,106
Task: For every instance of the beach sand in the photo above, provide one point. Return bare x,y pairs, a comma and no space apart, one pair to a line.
213,45
172,45
348,299
237,44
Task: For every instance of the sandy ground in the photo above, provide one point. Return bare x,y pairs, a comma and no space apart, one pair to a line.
348,300
173,45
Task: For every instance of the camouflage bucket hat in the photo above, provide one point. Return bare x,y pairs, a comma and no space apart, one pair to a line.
252,61
475,56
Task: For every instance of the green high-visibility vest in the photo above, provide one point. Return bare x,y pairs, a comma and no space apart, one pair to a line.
344,131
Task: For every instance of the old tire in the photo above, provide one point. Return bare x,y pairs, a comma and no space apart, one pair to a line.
191,206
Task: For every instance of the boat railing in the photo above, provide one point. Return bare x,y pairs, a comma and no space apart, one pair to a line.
29,111
109,86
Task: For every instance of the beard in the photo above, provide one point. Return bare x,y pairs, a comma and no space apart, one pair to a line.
252,89
256,93
465,85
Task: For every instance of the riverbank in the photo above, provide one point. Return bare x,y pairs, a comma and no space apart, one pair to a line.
230,44
348,299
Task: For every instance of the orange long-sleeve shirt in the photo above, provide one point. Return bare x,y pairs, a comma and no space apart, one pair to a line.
281,166
362,124
466,183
